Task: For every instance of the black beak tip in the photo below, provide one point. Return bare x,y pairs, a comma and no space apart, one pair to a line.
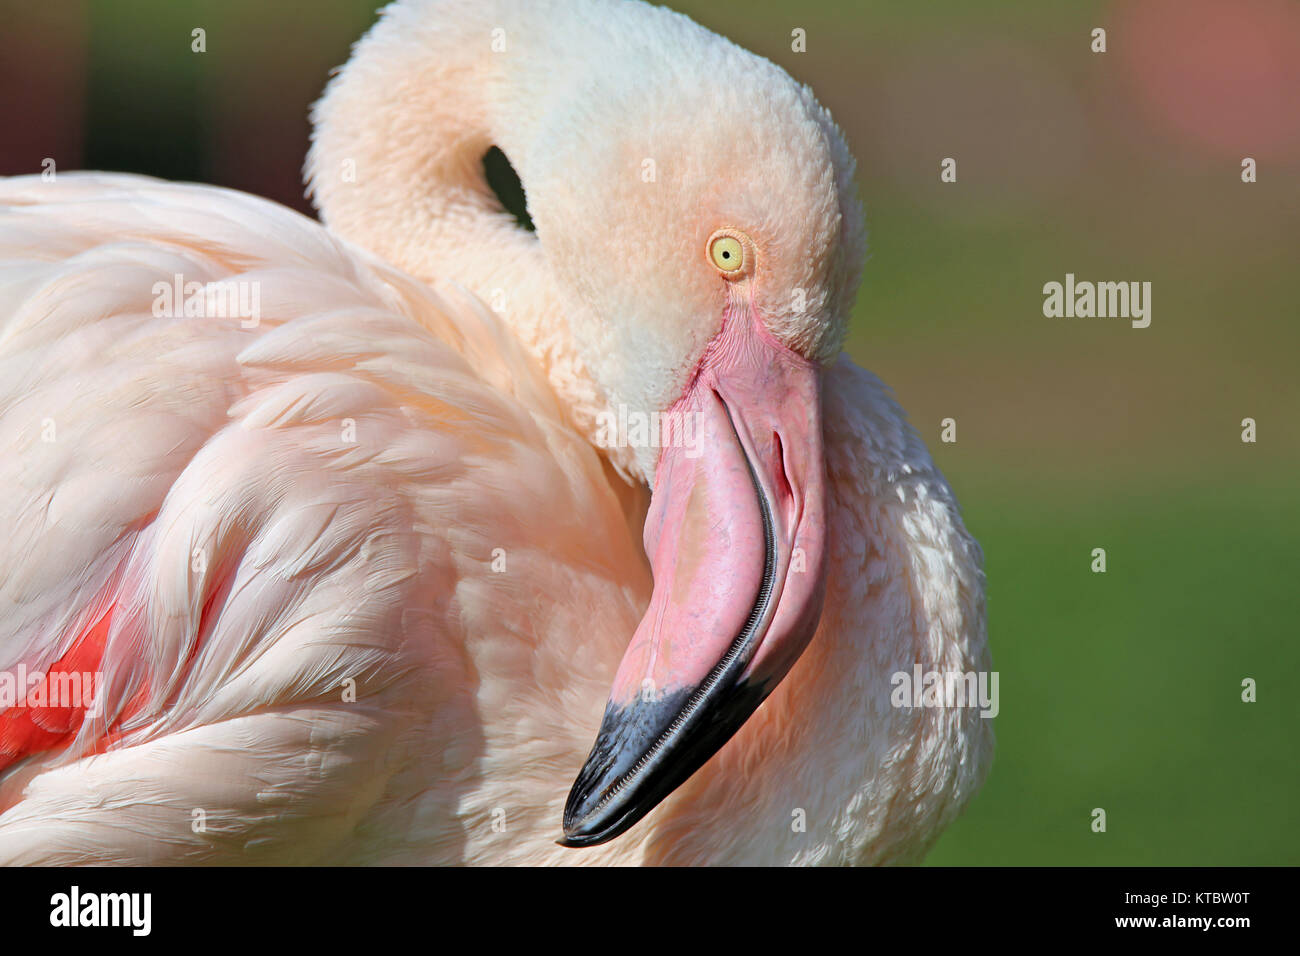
583,826
593,814
576,840
596,832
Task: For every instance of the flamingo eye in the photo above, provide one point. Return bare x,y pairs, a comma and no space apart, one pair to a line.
727,253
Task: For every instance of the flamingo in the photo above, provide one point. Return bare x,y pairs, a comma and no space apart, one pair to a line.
350,558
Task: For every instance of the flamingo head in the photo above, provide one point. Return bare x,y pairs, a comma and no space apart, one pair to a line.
697,228
696,208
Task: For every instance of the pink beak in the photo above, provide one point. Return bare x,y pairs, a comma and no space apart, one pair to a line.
736,536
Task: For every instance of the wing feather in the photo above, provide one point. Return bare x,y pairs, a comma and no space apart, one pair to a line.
277,515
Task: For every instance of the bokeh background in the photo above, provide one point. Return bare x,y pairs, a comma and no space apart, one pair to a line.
1119,690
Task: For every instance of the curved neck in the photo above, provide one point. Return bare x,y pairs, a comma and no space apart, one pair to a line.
396,166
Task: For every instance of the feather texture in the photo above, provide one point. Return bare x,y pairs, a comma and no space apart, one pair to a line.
349,569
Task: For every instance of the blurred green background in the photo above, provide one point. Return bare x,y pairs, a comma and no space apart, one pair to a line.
1119,690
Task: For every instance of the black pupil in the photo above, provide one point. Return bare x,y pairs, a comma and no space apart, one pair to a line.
726,255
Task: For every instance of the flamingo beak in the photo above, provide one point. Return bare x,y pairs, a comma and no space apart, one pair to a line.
736,538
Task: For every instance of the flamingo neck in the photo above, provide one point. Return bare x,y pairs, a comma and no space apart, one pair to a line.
396,167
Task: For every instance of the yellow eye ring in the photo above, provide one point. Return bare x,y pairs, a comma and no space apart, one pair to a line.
727,253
